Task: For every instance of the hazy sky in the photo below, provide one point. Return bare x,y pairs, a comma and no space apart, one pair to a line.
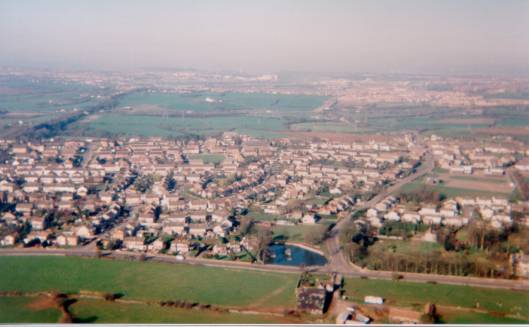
417,36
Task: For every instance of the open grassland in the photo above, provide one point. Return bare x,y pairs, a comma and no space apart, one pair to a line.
21,310
451,192
83,310
43,96
326,127
150,281
147,280
166,114
405,247
400,293
458,317
99,311
178,126
474,178
204,102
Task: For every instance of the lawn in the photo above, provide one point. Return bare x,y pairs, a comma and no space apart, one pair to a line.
501,180
17,310
293,233
403,293
405,247
259,215
147,280
207,158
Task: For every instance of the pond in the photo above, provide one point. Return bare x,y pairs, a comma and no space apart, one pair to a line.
291,255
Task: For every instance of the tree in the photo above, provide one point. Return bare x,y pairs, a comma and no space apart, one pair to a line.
144,183
170,182
246,226
264,238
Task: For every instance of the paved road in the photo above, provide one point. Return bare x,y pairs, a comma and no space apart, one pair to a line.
124,255
337,258
519,182
337,261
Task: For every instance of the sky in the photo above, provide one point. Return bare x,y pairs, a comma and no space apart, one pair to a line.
379,36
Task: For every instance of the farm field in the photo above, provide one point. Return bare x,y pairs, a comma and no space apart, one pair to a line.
150,281
31,310
504,302
122,124
326,127
473,182
23,95
22,310
206,101
147,280
172,114
99,311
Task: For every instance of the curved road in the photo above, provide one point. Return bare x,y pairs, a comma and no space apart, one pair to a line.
337,261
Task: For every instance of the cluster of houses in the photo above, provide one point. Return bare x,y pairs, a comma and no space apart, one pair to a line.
455,212
470,157
73,191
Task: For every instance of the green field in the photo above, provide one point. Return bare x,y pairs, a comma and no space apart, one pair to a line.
45,96
111,312
326,127
293,233
17,310
147,280
209,157
177,126
226,287
20,310
255,114
479,318
405,247
480,179
449,192
196,101
414,294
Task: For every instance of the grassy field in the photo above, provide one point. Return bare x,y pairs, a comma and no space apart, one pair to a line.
44,96
147,280
110,312
500,180
294,233
18,310
478,318
177,126
225,101
23,310
256,114
157,281
405,247
413,294
326,127
449,192
209,157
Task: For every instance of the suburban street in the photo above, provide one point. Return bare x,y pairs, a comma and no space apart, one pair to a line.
337,259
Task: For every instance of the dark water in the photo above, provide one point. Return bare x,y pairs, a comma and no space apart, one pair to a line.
298,257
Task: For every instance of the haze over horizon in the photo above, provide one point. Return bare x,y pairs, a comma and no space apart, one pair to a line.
439,37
